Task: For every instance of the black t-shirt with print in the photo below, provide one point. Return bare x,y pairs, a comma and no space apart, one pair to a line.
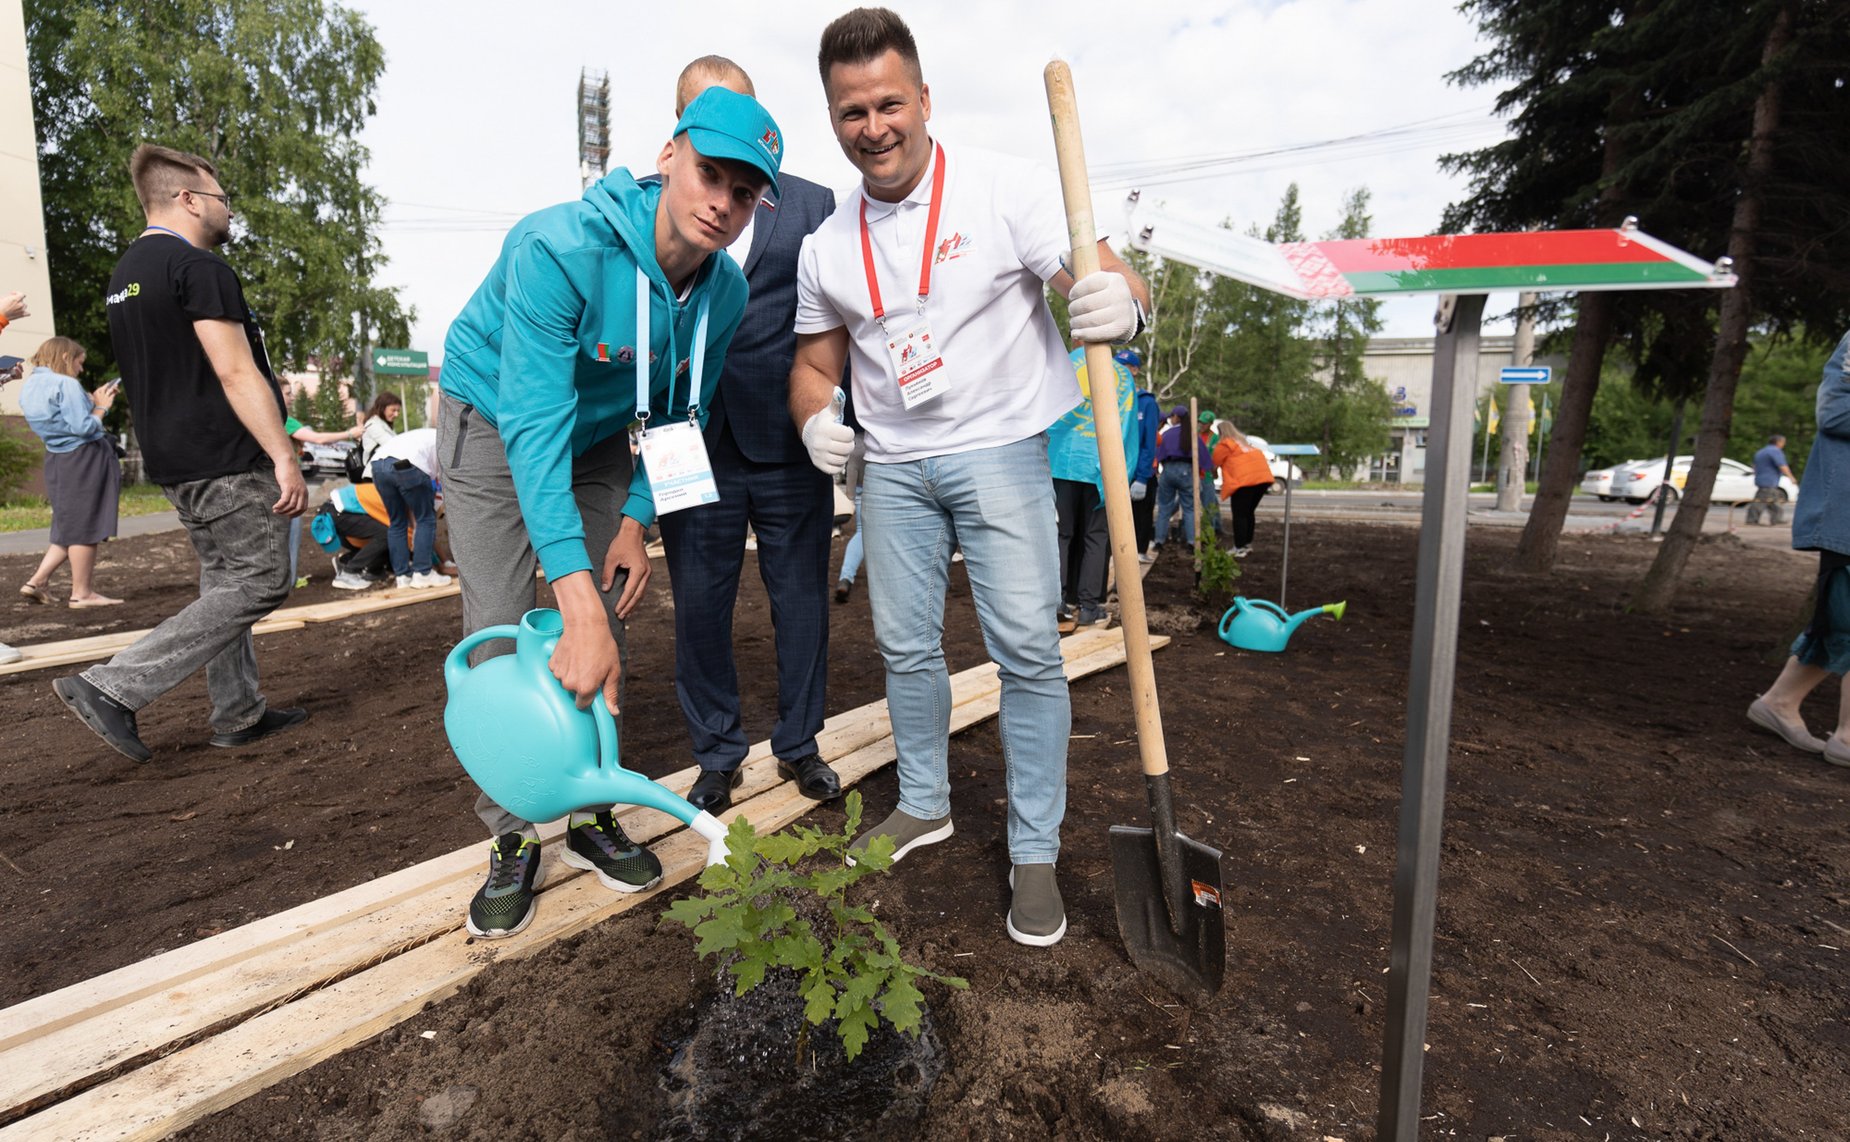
185,425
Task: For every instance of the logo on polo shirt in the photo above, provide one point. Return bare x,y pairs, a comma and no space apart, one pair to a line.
956,246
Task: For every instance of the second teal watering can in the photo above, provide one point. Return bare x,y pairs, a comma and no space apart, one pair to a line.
523,739
1254,624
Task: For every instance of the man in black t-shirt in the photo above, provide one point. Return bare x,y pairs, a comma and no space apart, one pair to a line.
209,417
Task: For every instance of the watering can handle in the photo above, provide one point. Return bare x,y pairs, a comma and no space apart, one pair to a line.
606,733
456,666
1269,607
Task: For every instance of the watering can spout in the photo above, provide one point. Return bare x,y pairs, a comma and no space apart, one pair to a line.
1334,610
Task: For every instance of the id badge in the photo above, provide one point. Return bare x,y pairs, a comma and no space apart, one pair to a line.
680,475
917,364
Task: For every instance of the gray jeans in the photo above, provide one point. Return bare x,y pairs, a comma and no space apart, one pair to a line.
492,548
243,576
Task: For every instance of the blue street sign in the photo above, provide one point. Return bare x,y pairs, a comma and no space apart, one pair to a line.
1294,449
1537,375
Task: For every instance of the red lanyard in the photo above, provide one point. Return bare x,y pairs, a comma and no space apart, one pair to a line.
931,240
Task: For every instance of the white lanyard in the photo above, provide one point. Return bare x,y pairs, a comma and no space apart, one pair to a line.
644,351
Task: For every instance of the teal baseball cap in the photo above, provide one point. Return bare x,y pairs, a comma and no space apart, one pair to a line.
722,124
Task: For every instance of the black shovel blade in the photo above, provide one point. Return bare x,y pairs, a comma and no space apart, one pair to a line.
1189,954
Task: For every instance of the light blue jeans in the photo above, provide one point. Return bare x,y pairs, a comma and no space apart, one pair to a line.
996,506
855,549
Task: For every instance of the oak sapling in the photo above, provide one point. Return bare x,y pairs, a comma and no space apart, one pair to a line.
755,915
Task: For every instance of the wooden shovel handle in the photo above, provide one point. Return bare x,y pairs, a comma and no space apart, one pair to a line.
1103,374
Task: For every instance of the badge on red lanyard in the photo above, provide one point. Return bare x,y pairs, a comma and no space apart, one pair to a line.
917,365
675,455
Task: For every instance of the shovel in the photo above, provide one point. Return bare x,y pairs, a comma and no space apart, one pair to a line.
1168,886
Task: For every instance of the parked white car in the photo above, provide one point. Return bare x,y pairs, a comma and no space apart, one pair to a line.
1599,481
1282,469
1734,483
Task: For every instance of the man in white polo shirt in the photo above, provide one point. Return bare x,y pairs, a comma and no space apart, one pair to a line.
929,279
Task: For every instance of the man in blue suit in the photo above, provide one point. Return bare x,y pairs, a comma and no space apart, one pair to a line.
766,483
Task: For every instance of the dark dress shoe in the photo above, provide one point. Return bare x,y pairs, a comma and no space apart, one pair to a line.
108,719
712,790
815,780
273,719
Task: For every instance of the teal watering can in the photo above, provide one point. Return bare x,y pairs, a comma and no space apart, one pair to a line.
524,740
1254,624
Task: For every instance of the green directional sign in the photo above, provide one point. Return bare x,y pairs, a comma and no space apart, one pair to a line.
401,362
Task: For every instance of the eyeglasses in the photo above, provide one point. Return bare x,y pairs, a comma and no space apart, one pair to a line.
225,198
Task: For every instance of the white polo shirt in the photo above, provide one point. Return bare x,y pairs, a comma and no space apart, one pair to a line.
1001,236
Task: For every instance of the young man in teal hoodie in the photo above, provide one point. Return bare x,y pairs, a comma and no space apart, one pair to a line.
541,396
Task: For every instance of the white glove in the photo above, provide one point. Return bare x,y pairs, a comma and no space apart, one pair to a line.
1139,489
1101,308
829,440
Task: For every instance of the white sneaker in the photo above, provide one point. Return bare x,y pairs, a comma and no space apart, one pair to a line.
1147,557
348,581
404,581
9,654
426,579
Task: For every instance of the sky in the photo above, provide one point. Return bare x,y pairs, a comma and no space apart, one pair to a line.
476,114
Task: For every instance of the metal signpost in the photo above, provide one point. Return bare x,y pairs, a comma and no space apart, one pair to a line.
1288,451
1463,268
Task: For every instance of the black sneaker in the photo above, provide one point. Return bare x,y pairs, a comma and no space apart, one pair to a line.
504,904
600,846
107,718
273,719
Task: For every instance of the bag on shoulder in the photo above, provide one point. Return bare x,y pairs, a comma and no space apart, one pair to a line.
321,528
355,466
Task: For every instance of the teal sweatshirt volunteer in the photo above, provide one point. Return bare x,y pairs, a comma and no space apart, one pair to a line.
546,349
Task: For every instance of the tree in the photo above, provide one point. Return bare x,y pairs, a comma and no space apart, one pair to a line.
274,93
1265,364
1354,410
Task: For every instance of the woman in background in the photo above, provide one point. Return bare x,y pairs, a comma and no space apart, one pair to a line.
377,428
1245,477
82,477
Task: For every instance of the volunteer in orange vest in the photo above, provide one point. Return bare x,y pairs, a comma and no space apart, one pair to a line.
1245,476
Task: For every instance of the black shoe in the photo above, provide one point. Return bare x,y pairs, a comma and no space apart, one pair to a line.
504,903
106,717
843,590
712,790
273,719
815,780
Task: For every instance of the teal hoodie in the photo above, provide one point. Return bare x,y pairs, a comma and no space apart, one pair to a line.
545,351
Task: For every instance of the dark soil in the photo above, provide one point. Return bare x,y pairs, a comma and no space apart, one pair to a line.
1642,907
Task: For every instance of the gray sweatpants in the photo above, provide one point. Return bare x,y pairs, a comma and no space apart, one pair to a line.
243,576
492,548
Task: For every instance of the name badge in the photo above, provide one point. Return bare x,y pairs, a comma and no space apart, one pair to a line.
680,475
916,363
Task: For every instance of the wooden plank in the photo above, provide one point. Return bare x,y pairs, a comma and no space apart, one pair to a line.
186,1086
51,1042
49,654
368,602
68,652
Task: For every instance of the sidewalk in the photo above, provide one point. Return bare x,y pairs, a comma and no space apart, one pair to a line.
36,540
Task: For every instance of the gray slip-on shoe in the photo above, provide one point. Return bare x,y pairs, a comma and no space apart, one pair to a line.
1794,732
1037,916
908,833
1836,752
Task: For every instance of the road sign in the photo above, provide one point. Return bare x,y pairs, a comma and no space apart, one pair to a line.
401,362
1294,449
1536,375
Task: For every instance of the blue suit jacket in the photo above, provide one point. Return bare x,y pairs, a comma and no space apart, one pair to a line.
752,400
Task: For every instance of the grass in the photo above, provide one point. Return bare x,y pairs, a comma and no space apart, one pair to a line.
26,513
